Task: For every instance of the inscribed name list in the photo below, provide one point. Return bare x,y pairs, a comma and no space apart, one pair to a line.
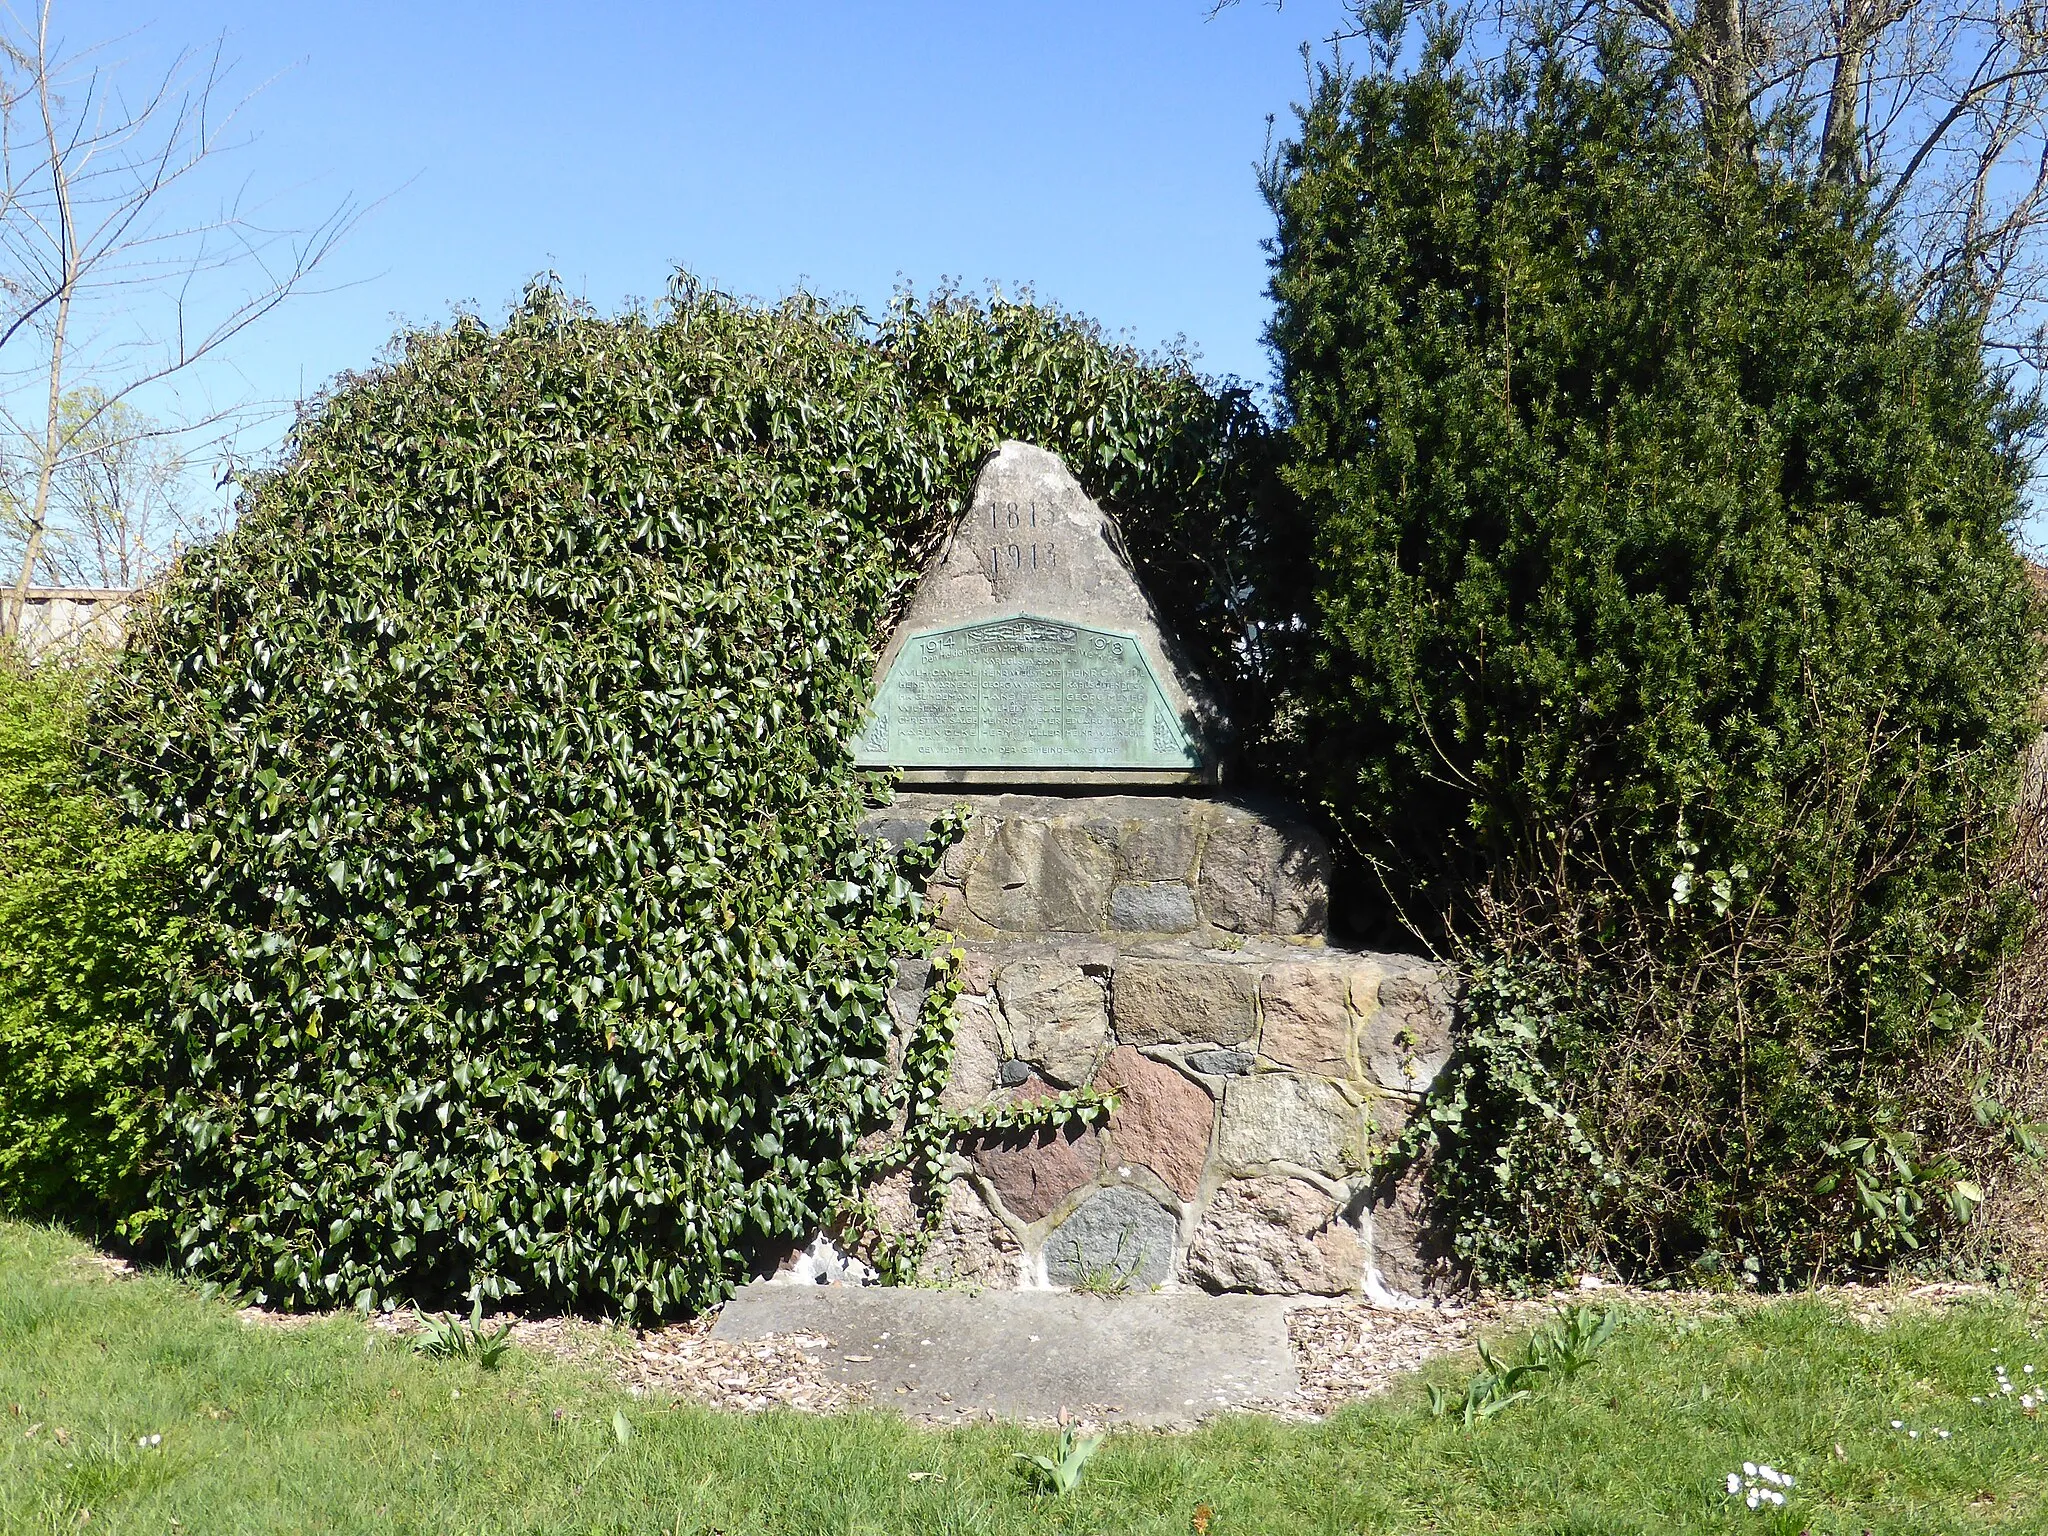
1023,692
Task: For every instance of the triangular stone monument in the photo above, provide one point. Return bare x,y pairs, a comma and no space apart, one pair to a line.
1031,655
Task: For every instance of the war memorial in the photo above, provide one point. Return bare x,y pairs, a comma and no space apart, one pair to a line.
1134,926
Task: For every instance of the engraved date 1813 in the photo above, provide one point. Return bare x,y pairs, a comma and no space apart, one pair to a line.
1016,543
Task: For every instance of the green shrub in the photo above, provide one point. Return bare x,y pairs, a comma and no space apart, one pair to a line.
539,955
1672,657
89,934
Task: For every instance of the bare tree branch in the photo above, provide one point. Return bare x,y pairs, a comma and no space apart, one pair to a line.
116,289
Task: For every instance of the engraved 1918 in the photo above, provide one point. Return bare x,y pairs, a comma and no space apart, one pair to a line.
1016,542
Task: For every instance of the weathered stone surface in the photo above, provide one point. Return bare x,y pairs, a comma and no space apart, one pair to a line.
1162,908
1056,1017
1279,1237
1279,1117
949,912
1236,887
977,1050
1013,1072
970,1246
1407,1071
1405,1251
1032,543
1117,1237
906,985
1406,1040
1042,864
1222,1063
1033,1171
1260,875
1301,890
894,1205
1026,1356
978,973
1389,1116
906,1004
1154,839
1167,1002
1162,1119
1305,1018
896,831
1041,876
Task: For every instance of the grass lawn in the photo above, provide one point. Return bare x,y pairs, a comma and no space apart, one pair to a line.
330,1427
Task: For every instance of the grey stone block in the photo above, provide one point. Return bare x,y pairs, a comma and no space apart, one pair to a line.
1406,1250
1056,1017
1029,1355
1407,1071
1117,1234
1222,1063
1012,1072
894,832
1167,1002
1284,1117
1152,908
1041,876
1157,839
1406,1041
1263,875
976,1051
1278,1237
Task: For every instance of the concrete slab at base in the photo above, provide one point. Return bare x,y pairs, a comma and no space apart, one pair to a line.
1029,1354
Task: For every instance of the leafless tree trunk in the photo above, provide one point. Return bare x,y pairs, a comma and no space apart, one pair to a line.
91,221
48,448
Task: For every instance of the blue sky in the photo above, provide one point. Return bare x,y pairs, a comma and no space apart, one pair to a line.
1102,153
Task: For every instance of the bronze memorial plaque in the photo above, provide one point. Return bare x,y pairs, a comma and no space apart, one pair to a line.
1023,693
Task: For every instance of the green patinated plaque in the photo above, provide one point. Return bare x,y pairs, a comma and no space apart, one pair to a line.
1023,693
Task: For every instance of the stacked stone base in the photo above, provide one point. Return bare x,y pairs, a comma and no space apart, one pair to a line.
1172,951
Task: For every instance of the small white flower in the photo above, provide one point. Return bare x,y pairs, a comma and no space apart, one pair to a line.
1749,1469
1752,1499
1912,1434
1943,1433
1769,1473
1775,1498
2027,1370
1977,1400
1735,1482
1898,1423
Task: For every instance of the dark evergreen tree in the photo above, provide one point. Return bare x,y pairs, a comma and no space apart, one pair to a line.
1671,655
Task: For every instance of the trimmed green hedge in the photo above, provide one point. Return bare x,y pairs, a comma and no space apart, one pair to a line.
89,933
538,955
